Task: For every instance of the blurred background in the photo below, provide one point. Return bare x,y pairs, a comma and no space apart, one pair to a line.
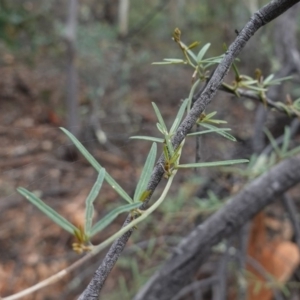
87,65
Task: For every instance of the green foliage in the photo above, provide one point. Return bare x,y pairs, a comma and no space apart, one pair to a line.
104,222
282,152
291,106
83,235
213,164
20,24
260,164
147,138
210,204
162,127
89,210
48,211
171,159
258,85
220,131
140,191
97,166
208,119
179,116
15,23
208,131
196,61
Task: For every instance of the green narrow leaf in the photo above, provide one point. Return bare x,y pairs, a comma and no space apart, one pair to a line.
176,155
284,107
215,121
192,91
252,162
296,104
292,152
89,206
170,61
169,145
104,222
210,115
254,88
145,195
207,131
246,77
249,82
159,117
268,79
192,55
174,60
48,211
160,129
166,153
179,116
214,59
202,52
209,64
97,166
272,160
213,163
219,131
193,45
272,141
146,173
147,138
284,78
279,80
162,63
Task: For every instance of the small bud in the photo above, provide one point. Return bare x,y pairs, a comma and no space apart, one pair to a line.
176,35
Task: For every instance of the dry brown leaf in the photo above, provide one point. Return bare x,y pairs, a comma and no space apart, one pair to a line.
279,259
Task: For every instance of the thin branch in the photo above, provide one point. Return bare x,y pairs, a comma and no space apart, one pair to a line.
259,19
251,95
55,278
285,45
196,247
96,249
196,285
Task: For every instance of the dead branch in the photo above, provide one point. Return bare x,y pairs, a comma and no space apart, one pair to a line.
196,247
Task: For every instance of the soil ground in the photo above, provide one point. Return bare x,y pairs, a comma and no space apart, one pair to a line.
34,154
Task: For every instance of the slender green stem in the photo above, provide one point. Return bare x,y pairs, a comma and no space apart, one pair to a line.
143,216
96,249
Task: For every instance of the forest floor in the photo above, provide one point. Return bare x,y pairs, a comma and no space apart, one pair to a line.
34,154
